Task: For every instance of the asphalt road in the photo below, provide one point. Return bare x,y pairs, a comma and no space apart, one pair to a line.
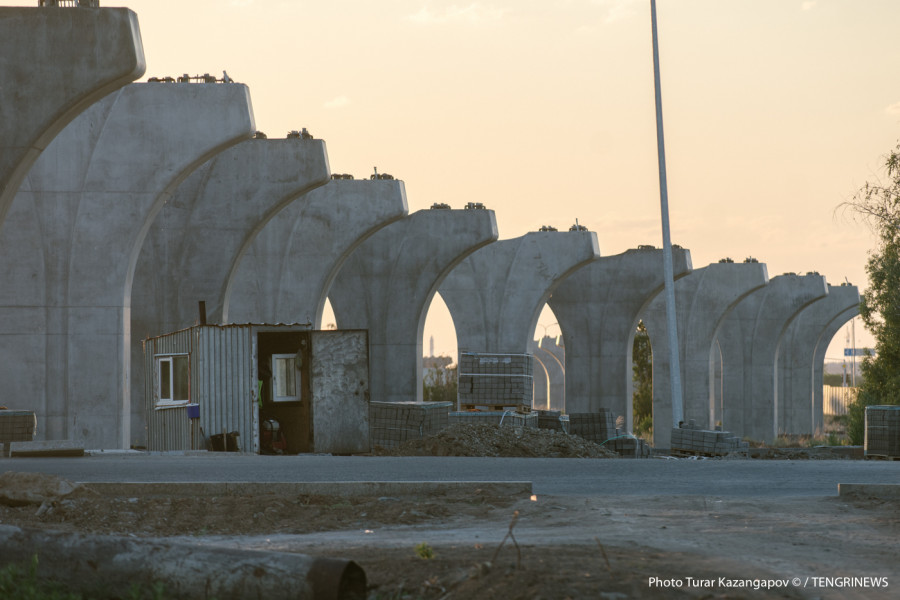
550,476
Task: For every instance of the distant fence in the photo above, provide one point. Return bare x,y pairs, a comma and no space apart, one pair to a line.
836,400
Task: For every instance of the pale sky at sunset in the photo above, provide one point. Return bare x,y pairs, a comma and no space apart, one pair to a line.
775,110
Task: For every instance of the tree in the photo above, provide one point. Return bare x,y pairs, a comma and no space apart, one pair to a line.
878,204
642,375
439,384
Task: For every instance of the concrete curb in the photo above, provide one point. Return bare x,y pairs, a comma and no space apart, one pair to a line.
885,490
327,488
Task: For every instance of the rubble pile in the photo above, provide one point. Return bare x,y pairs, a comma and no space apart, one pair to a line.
486,439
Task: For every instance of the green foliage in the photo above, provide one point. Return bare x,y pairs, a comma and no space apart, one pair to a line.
642,375
879,204
424,551
439,385
22,583
834,379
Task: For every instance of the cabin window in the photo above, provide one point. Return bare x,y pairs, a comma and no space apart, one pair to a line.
286,377
173,382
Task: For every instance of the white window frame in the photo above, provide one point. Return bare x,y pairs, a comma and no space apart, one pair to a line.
298,382
169,359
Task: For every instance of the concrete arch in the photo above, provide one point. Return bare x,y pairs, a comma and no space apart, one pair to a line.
97,188
819,365
496,295
598,308
702,299
286,273
67,65
553,357
204,228
797,362
386,285
750,340
541,398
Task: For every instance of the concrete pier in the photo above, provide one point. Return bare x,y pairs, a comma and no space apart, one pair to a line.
750,340
703,299
199,236
541,398
388,282
70,246
54,63
598,309
553,355
797,357
285,275
829,332
496,295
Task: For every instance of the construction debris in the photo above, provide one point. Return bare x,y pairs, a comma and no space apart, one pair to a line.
485,439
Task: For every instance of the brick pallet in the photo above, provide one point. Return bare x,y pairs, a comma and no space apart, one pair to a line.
16,426
392,423
600,428
495,380
690,440
505,418
882,432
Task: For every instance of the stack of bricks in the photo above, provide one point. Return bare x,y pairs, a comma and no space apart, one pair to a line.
595,427
16,426
504,418
882,432
600,428
392,423
690,439
494,381
551,419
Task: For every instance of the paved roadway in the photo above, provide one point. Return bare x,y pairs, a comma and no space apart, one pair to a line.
550,476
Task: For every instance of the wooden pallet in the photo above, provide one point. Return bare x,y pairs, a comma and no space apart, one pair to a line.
519,408
881,457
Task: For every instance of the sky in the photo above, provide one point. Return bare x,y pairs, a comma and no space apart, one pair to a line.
775,112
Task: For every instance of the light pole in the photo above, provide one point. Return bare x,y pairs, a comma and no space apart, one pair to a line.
668,270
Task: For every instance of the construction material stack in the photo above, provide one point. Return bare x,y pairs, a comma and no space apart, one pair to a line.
691,440
882,432
392,423
495,382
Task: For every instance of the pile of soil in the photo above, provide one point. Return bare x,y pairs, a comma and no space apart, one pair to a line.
85,511
485,439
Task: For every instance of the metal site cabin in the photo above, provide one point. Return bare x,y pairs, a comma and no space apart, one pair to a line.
211,380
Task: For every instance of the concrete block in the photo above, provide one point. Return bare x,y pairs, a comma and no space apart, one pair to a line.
47,448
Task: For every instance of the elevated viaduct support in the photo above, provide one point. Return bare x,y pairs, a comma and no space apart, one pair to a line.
750,340
598,309
285,275
553,355
71,242
830,330
54,63
703,299
797,358
199,236
388,282
496,295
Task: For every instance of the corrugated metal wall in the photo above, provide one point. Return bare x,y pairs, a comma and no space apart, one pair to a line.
168,428
222,383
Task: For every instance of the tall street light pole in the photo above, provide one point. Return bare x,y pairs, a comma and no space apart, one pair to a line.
668,270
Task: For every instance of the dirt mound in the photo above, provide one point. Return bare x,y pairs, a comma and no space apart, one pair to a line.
19,489
484,439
